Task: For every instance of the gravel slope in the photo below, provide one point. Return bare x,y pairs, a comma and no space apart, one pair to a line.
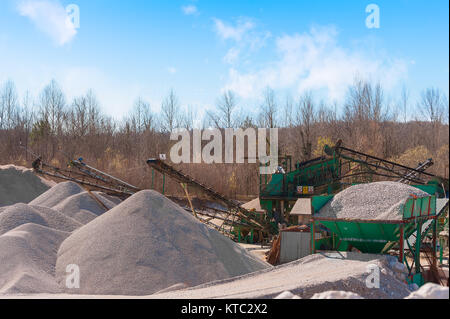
20,185
30,252
146,244
377,201
305,277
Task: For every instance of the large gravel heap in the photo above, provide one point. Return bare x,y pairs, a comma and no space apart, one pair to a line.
146,244
73,201
28,257
376,201
339,271
20,185
30,235
20,214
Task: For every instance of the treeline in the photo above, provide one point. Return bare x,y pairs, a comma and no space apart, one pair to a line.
57,129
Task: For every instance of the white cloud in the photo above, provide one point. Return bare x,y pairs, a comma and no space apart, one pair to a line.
226,31
189,10
244,37
232,55
172,70
315,61
50,17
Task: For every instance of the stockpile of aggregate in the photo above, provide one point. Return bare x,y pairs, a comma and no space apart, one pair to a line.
20,185
147,244
313,274
373,201
30,236
427,291
20,214
73,201
28,258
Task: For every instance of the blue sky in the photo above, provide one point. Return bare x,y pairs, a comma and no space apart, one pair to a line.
126,49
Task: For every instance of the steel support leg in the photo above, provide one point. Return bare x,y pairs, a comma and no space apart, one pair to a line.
401,244
313,231
417,247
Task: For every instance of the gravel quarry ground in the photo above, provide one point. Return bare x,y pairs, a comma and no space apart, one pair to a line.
307,276
376,201
320,276
149,247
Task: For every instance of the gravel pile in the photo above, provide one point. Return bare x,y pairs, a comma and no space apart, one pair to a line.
30,235
147,244
427,291
430,291
376,201
20,185
73,201
57,194
28,257
83,208
308,276
20,214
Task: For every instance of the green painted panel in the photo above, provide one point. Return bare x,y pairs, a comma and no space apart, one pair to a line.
417,207
366,237
318,202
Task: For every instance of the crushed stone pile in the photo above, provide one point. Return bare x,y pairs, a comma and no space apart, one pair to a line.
430,291
345,271
20,214
427,291
73,201
83,208
28,257
30,235
375,201
147,244
20,185
57,194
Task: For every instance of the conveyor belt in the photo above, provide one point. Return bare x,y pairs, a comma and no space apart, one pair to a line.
180,177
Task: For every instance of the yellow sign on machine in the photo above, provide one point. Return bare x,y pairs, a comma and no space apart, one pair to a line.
305,190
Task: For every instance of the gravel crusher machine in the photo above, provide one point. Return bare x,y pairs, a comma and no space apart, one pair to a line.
327,175
304,190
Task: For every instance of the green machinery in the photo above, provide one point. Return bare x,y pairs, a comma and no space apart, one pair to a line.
413,238
327,175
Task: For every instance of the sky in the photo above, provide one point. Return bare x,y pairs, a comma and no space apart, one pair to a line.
129,49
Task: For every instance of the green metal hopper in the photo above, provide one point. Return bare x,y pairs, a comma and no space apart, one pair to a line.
379,236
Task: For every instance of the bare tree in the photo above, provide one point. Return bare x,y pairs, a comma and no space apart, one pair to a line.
141,117
8,105
225,116
404,103
187,118
170,112
432,107
288,119
268,110
226,106
306,118
52,104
